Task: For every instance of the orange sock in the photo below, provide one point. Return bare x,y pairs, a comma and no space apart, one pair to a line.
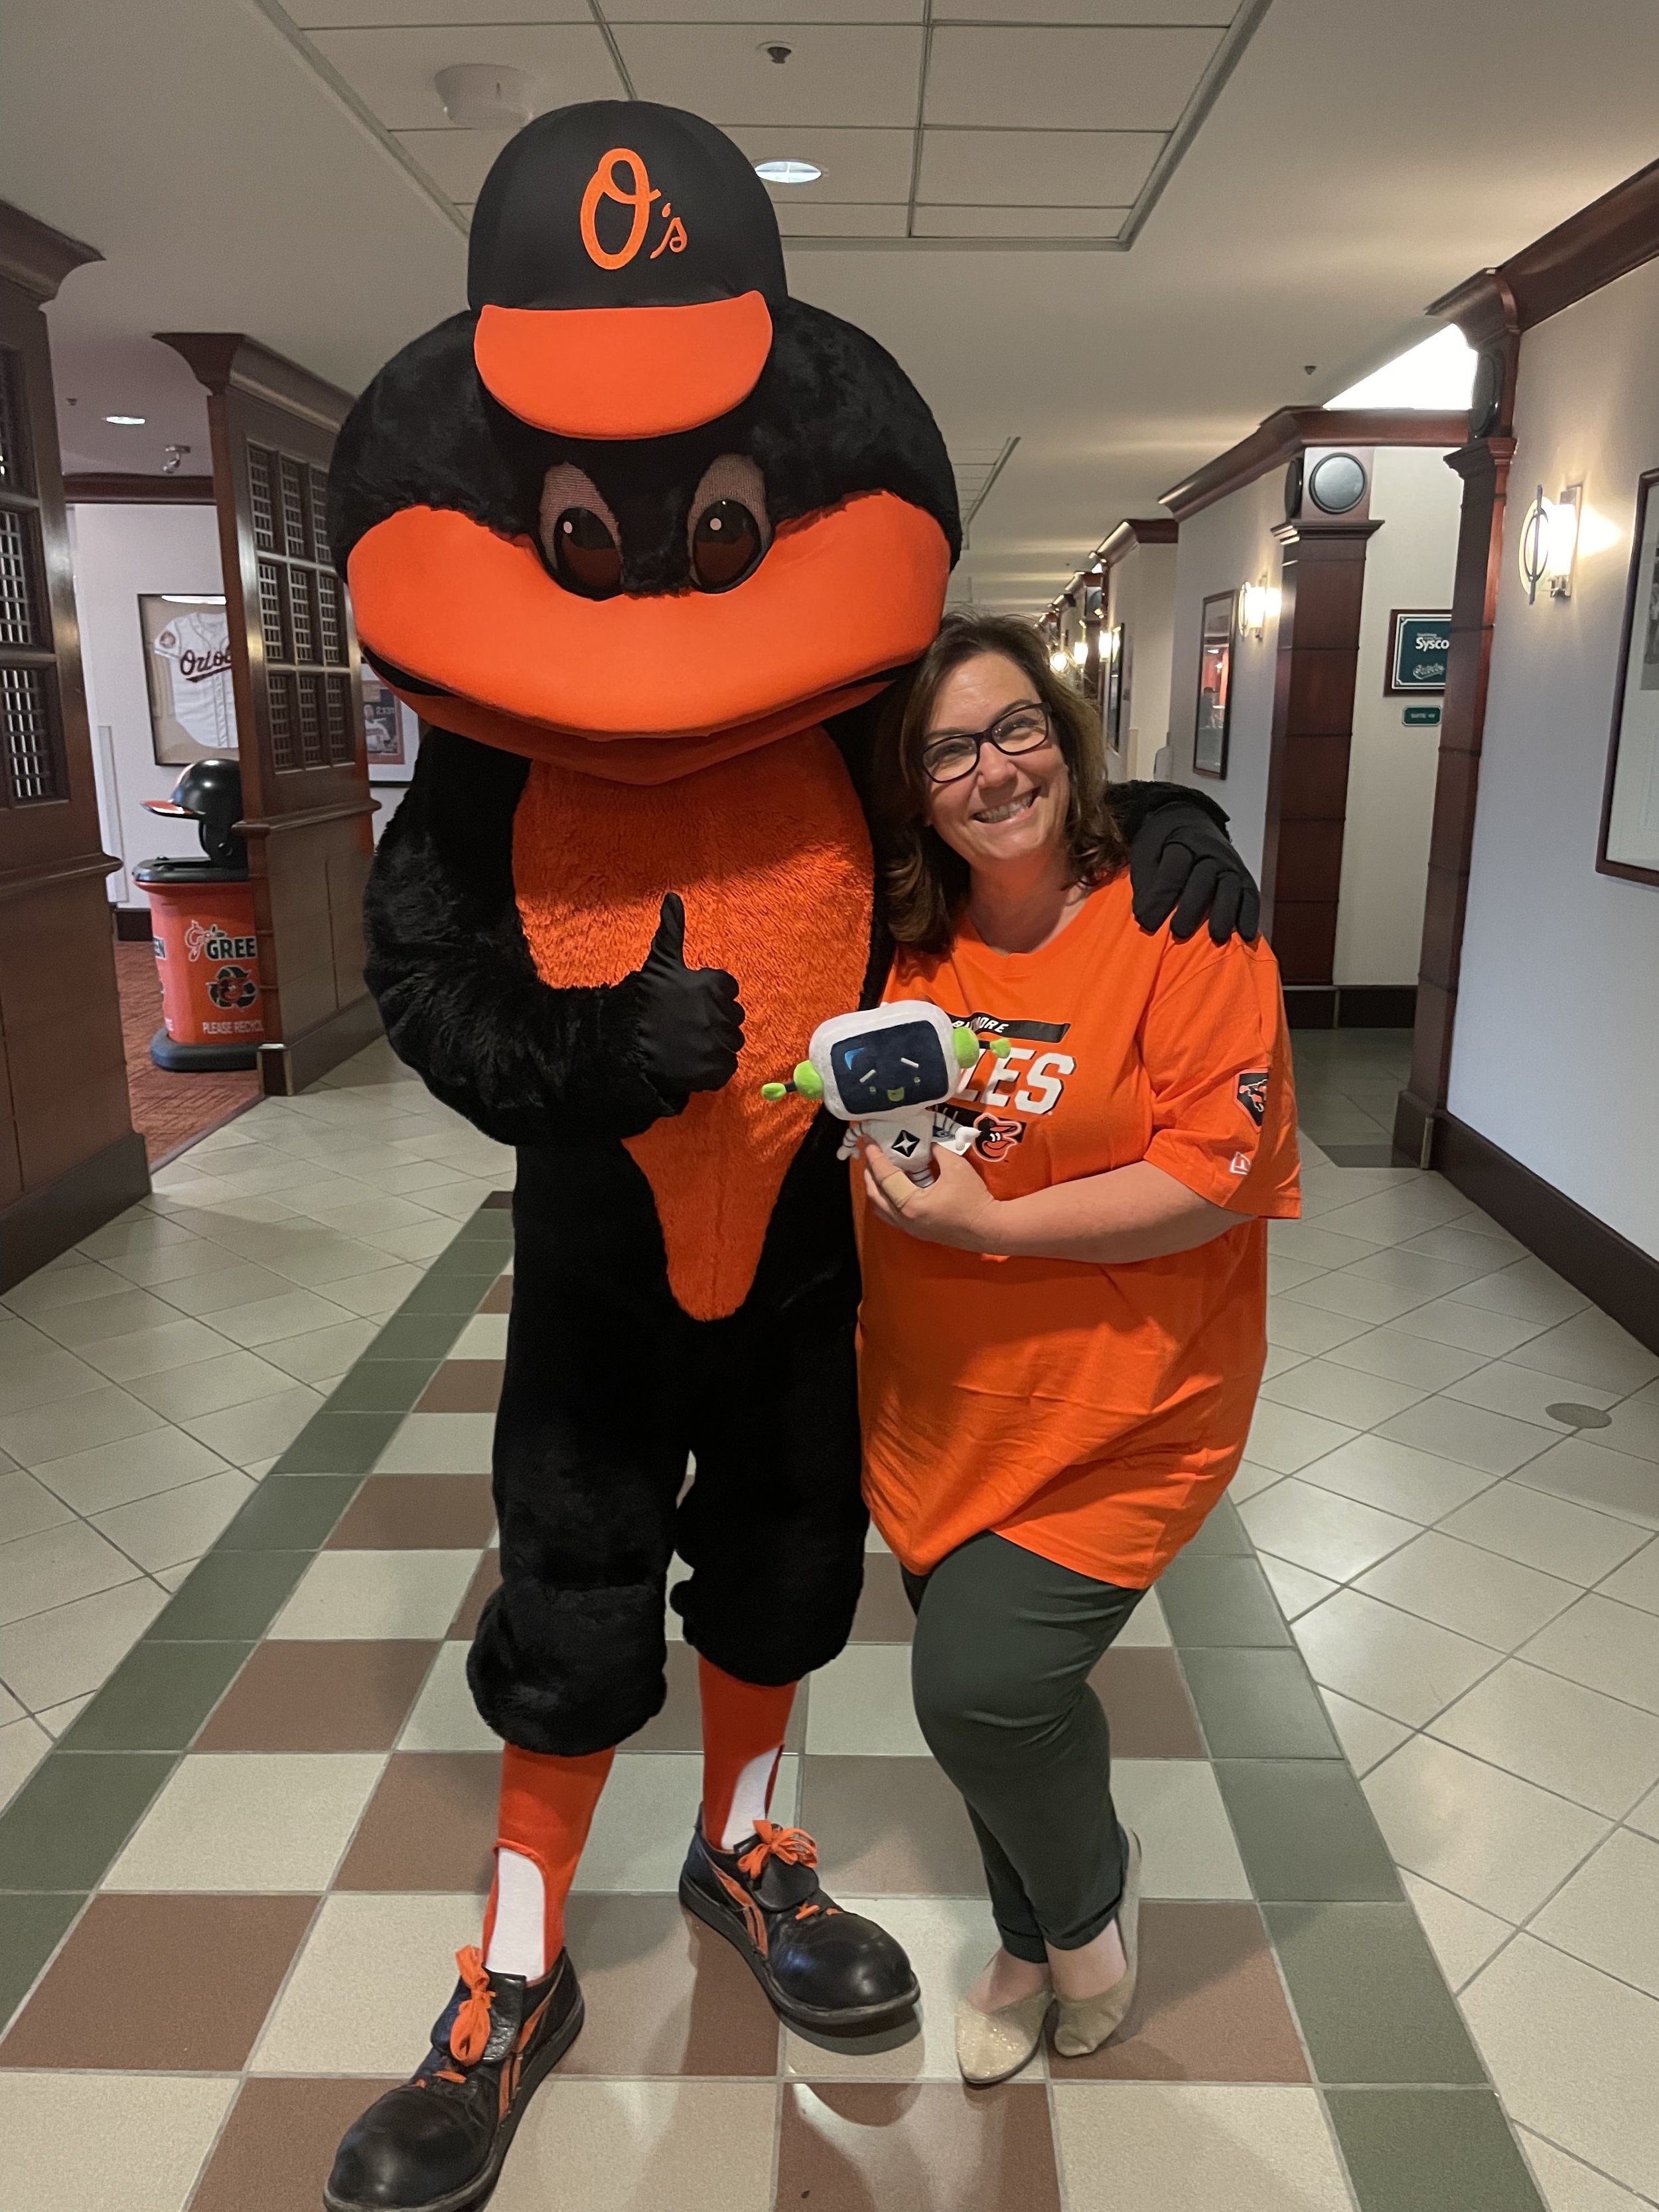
743,1727
546,1809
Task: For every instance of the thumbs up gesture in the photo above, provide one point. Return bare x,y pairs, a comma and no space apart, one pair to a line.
690,1021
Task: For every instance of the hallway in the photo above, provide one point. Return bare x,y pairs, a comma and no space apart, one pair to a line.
245,1525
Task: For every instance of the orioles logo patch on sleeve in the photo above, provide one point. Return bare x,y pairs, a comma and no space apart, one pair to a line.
1253,1094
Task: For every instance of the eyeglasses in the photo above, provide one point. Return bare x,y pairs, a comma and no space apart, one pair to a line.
948,758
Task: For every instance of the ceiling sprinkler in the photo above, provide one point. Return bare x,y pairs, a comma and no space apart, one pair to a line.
484,95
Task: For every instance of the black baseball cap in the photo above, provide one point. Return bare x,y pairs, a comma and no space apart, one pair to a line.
624,266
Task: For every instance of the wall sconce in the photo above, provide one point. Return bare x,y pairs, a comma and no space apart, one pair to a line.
1079,651
1254,604
1060,660
1549,541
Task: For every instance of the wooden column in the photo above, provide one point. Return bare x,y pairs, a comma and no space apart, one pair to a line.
70,1159
299,700
1323,580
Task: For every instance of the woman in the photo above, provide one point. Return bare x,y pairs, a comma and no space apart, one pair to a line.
1063,1335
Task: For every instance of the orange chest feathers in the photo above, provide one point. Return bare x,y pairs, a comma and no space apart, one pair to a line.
772,857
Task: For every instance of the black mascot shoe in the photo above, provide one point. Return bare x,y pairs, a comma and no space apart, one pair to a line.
823,1968
435,2143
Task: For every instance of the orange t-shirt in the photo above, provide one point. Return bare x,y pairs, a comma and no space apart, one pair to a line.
1093,1414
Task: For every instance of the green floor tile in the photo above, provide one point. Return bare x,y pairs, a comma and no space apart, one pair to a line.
1258,1704
385,1385
291,1513
230,1596
74,1813
1220,1601
1372,2002
1306,1832
416,1336
447,1293
1223,1531
157,1697
339,1443
32,1925
1431,2150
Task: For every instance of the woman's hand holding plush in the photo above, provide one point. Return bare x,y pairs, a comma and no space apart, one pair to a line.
954,1209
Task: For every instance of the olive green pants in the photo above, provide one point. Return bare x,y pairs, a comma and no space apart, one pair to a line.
1005,1644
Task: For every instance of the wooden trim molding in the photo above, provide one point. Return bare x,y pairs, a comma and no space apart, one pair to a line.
56,1215
1139,530
229,360
1283,435
36,258
285,1069
1599,244
119,489
1618,1276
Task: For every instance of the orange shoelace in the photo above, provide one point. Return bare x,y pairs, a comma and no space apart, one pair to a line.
471,2033
793,1845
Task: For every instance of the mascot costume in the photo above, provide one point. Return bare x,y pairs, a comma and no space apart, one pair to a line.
641,538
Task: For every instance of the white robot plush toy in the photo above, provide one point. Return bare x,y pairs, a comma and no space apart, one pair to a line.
887,1071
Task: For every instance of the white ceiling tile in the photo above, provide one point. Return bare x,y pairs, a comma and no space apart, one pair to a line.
857,165
393,71
1037,168
820,221
848,75
1019,222
757,12
1212,14
1078,80
346,15
458,161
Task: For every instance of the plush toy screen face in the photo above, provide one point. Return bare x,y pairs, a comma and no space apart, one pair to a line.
886,1070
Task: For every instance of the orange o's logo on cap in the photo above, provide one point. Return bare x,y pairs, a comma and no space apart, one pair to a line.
636,194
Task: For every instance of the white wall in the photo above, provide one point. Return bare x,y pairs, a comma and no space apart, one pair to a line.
119,552
1392,768
1226,545
1556,1053
1141,589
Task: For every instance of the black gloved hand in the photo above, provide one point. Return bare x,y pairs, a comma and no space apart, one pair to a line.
690,1023
1182,865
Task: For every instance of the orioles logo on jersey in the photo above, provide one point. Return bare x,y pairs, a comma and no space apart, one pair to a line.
996,1136
1253,1094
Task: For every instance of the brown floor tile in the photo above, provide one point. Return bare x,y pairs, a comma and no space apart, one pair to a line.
161,1984
349,1696
465,1626
1210,2006
279,2143
498,1298
889,1827
463,1386
678,1726
1147,1705
430,1825
664,1995
416,1513
884,1615
938,2147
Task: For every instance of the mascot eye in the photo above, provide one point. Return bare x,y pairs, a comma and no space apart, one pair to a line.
725,544
586,557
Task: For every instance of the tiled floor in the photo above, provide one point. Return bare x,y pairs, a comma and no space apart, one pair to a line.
228,1894
169,1110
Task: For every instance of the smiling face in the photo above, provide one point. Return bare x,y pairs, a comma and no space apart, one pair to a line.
1006,812
771,567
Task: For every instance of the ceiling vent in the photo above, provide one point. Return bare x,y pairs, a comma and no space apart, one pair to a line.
486,95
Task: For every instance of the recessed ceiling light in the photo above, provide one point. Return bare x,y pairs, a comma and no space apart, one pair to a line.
788,172
133,421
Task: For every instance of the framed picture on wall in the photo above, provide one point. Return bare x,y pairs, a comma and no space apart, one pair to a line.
1111,657
1630,808
1419,641
391,730
193,707
1215,684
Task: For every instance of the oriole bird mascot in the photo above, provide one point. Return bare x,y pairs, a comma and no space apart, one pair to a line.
643,540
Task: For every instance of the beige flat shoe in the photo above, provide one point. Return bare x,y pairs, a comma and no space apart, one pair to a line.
992,2045
1084,2023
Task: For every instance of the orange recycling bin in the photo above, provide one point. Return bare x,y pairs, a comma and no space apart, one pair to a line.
208,956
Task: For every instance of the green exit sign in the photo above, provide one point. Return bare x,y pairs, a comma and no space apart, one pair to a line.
1428,715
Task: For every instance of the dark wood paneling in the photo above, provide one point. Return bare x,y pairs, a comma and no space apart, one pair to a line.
1310,863
1621,1278
1284,435
1321,699
1304,940
1601,242
1140,529
69,1158
118,489
1376,1005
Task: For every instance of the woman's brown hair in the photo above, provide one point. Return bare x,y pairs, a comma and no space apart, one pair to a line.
924,881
